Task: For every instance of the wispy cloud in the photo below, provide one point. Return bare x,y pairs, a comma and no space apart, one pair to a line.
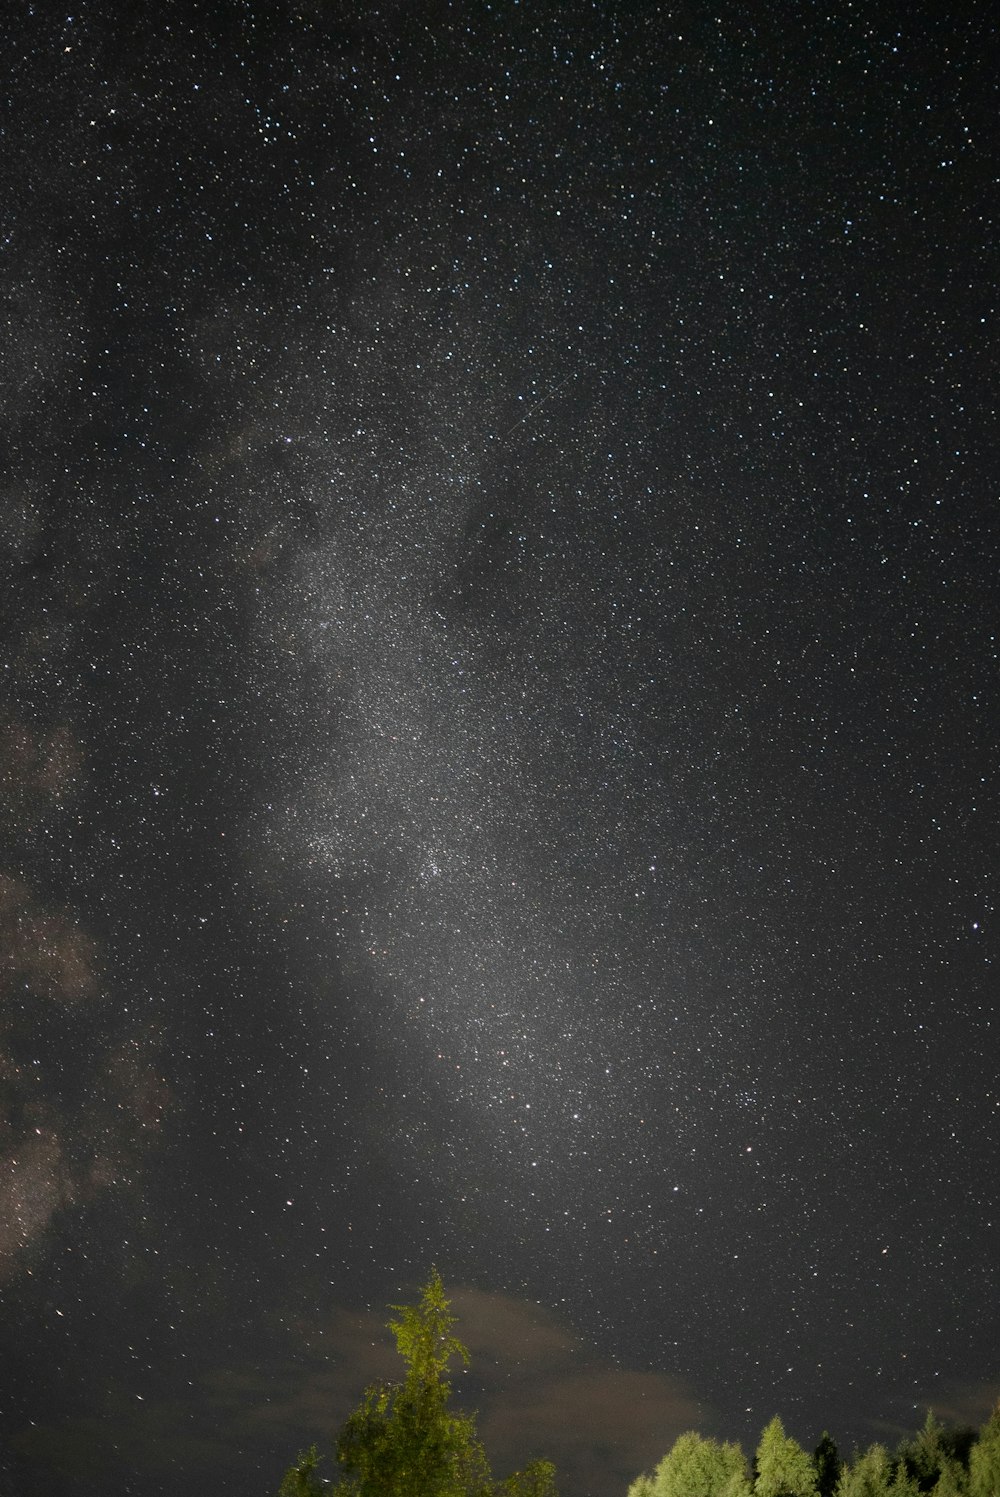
59,1147
539,1390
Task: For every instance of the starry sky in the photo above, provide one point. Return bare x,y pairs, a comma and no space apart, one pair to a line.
499,727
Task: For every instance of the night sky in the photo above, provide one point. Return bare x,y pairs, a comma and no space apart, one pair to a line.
499,728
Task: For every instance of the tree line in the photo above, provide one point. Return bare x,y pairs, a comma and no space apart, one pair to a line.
403,1440
940,1461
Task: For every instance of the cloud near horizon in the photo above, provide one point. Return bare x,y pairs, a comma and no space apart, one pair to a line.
549,1394
953,1403
540,1391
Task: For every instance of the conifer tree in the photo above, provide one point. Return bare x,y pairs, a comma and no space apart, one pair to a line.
826,1459
403,1440
696,1467
869,1475
903,1484
952,1481
984,1459
923,1455
783,1468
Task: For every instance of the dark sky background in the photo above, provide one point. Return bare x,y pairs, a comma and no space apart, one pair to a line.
500,549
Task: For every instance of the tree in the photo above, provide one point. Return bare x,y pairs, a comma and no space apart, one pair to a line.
783,1468
870,1475
903,1484
536,1480
939,1456
826,1459
951,1480
301,1480
696,1467
984,1459
403,1440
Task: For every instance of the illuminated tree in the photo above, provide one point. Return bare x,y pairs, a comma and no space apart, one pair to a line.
536,1480
984,1459
783,1468
939,1456
696,1467
403,1440
952,1481
301,1480
869,1475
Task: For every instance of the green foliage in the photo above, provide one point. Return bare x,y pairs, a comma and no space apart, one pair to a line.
939,1456
424,1339
826,1459
783,1468
924,1453
301,1480
870,1475
952,1481
536,1480
403,1440
940,1461
696,1467
984,1459
903,1484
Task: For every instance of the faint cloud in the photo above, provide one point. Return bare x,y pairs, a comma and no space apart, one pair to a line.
505,1327
44,950
133,1080
547,1393
34,1183
38,764
57,1154
963,1403
539,1389
957,1403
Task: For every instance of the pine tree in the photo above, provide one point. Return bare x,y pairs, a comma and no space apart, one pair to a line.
984,1459
939,1454
696,1467
903,1484
783,1468
869,1475
403,1440
951,1480
924,1453
826,1459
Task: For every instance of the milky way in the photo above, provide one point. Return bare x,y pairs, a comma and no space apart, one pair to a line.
500,726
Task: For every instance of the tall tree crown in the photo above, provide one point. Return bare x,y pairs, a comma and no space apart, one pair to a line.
403,1440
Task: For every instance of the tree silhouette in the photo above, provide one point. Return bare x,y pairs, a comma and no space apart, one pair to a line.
826,1459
